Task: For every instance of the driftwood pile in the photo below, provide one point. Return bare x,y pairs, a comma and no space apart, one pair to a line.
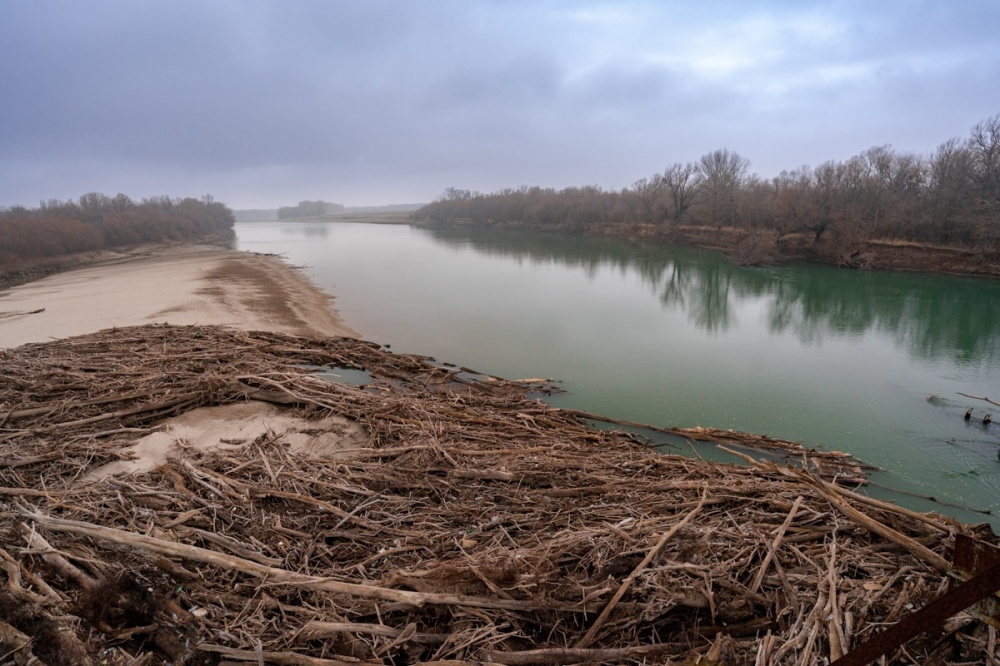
480,525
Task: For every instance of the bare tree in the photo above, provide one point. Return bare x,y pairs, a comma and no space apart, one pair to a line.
950,189
755,202
795,202
94,207
985,146
877,167
682,182
648,192
122,202
723,173
828,189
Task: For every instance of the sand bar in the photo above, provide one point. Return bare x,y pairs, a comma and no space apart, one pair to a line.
182,285
176,285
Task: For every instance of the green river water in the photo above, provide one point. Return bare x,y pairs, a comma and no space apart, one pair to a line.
871,363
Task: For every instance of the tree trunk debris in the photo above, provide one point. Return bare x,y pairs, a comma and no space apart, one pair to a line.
479,525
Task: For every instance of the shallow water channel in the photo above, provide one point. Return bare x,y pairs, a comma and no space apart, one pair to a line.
872,363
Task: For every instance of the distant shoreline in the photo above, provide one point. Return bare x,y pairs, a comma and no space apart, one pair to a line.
371,217
735,242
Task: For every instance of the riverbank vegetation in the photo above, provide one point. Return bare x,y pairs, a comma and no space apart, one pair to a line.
881,207
308,209
56,231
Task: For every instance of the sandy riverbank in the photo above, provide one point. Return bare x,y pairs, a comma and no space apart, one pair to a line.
177,285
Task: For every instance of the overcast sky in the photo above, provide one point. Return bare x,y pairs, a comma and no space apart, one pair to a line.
264,103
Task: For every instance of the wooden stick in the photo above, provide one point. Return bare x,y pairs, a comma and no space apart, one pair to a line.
283,576
60,405
764,650
280,658
262,492
744,456
775,545
487,475
24,462
809,625
48,594
883,530
807,651
627,583
17,590
885,506
181,400
622,422
979,397
31,492
834,631
54,558
232,545
557,656
317,629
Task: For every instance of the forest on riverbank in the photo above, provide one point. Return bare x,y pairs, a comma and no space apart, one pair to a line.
37,238
860,212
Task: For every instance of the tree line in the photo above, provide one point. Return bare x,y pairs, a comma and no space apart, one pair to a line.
309,209
32,237
948,197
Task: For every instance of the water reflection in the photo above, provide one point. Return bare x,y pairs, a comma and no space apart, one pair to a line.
932,317
306,229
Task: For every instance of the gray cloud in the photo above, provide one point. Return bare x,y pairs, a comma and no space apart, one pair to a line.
264,103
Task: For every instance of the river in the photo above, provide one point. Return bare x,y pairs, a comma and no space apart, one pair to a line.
871,363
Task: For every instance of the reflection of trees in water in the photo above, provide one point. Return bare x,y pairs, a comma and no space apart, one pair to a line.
676,284
709,308
930,316
316,230
307,229
964,318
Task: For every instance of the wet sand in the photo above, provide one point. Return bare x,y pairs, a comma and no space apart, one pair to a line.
176,285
